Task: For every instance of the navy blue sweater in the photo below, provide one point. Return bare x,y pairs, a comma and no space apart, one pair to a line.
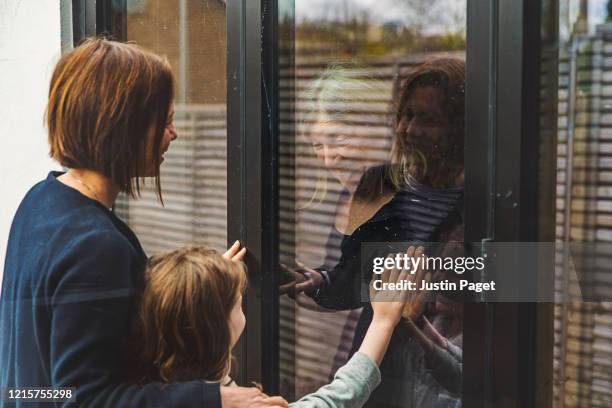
71,280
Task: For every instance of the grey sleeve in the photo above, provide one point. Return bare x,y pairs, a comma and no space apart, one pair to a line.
446,367
351,387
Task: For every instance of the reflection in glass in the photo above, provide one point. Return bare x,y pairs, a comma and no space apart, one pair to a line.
359,147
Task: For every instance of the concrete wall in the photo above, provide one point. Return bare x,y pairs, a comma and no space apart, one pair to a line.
29,46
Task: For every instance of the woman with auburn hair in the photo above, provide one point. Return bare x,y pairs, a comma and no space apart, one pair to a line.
73,270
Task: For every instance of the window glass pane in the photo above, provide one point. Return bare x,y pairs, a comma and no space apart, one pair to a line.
191,34
583,343
352,134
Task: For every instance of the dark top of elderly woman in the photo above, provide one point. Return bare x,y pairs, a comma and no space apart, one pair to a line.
417,214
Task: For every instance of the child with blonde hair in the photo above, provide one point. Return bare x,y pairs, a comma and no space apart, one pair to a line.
191,317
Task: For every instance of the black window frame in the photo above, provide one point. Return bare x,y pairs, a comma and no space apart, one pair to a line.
99,18
508,346
252,172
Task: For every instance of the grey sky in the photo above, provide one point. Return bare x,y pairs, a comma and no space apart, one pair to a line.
448,14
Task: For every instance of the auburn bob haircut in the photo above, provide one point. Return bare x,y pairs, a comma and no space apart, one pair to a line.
105,98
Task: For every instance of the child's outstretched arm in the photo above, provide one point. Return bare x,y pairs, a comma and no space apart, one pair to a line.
355,381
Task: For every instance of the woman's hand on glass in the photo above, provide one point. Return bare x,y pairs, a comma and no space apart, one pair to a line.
276,402
241,397
234,253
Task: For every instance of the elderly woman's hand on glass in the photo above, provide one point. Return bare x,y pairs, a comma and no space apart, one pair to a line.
300,279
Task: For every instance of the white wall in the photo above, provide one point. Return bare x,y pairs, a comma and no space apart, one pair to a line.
30,44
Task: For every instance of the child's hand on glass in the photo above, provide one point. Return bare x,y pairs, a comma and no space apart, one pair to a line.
418,298
387,303
234,253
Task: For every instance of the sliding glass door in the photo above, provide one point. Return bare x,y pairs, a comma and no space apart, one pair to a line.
342,111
